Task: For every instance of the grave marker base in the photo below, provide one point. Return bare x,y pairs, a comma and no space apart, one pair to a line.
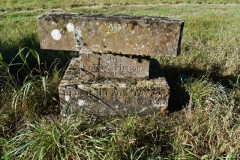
111,96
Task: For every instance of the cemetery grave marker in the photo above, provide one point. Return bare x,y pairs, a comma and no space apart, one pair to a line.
114,71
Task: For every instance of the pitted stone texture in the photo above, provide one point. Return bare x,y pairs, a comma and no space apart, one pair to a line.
110,97
75,73
94,66
151,36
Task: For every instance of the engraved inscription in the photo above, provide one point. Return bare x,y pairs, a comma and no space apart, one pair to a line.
114,66
112,100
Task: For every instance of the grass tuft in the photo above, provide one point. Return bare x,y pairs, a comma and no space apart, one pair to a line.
210,129
86,137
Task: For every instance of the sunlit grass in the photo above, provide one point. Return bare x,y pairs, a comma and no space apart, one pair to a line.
207,71
211,129
88,137
18,5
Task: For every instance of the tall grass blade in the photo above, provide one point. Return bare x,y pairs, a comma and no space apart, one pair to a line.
14,58
1,58
36,56
44,84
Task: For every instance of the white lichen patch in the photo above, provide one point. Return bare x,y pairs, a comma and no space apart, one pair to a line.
81,102
122,85
54,23
70,27
83,24
95,85
80,86
56,34
156,105
67,98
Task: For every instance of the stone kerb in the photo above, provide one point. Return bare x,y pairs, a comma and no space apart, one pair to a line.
111,74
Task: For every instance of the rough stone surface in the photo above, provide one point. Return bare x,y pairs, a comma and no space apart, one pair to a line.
151,36
112,96
95,66
74,73
114,72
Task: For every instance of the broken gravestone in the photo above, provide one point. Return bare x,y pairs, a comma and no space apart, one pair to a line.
115,71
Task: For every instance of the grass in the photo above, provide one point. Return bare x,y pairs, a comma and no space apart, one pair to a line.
212,131
85,137
204,83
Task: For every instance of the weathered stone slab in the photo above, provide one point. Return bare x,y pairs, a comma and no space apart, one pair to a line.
103,99
111,96
94,66
91,67
151,36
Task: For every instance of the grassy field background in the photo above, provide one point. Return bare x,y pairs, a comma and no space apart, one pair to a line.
204,107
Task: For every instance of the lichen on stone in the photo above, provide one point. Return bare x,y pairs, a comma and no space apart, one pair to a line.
144,84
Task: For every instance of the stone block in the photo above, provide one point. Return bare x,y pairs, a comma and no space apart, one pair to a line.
112,96
149,36
95,66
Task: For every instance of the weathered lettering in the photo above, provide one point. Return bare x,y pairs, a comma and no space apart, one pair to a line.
115,98
95,66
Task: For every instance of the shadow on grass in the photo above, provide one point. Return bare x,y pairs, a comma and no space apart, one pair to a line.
9,50
179,98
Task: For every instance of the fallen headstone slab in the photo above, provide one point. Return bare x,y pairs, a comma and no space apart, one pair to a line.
149,36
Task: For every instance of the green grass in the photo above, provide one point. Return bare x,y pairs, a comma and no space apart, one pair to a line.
204,83
85,137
